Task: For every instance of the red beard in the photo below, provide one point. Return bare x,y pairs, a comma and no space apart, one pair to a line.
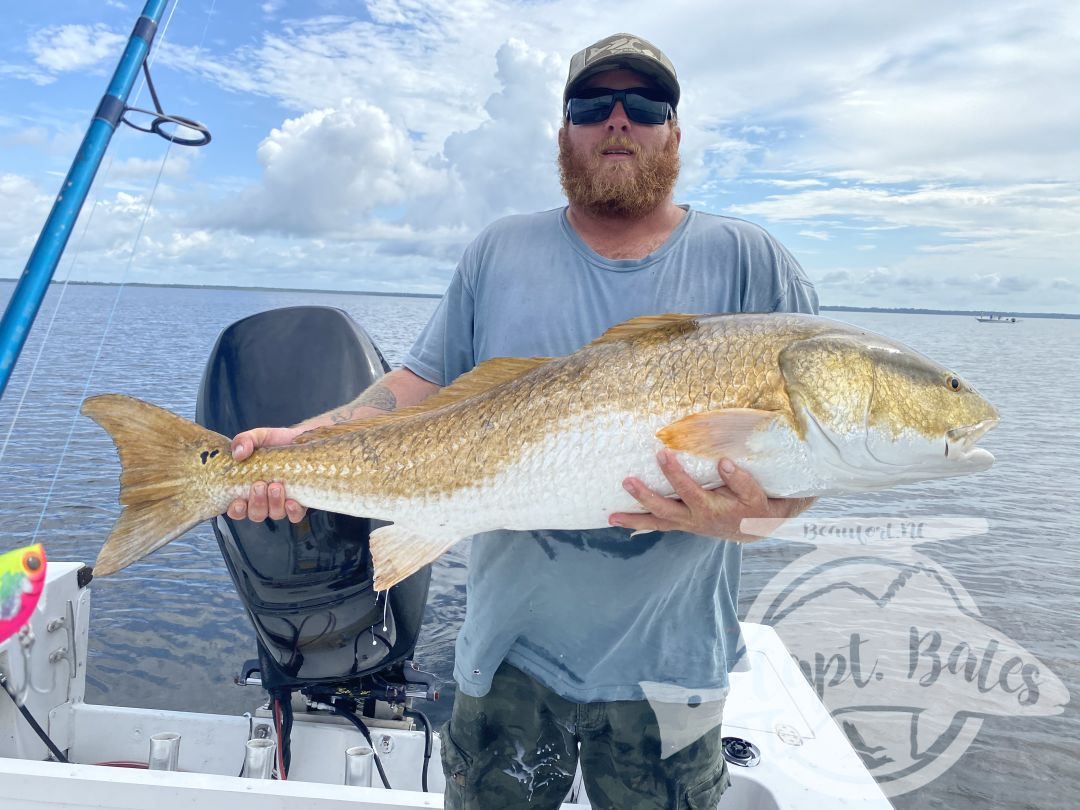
631,188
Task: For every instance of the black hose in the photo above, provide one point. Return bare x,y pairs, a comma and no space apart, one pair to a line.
56,752
279,764
286,728
282,709
427,744
356,721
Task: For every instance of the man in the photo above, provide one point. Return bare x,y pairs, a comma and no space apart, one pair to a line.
564,628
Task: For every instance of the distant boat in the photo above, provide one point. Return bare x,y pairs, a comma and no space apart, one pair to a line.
995,319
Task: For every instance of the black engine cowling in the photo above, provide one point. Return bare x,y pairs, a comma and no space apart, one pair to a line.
306,586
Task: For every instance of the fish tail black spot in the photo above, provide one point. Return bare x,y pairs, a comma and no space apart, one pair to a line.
204,455
214,453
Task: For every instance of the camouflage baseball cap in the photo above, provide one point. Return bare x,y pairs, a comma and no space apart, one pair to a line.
623,51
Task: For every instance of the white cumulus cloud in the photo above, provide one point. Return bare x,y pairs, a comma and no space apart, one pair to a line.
326,171
74,47
349,170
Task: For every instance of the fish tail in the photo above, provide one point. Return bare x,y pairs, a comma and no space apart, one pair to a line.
163,486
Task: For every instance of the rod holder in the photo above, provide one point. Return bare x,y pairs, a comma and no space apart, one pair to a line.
359,761
259,759
164,751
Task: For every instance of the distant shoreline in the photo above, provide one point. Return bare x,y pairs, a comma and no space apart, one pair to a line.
970,313
824,308
247,289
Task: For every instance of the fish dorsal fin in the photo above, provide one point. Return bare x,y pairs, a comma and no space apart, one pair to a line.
482,378
645,323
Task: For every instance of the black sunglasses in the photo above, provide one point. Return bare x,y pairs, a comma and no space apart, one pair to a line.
643,105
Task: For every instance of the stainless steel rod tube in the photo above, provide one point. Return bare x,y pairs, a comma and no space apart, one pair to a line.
164,751
359,761
259,759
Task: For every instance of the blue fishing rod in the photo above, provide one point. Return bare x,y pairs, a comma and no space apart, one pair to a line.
26,300
22,309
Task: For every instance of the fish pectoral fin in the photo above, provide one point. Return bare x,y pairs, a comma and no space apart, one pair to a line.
398,552
716,434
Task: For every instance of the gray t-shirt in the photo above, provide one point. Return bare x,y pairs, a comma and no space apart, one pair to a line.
593,614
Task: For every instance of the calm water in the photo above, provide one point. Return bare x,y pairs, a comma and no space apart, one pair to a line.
170,632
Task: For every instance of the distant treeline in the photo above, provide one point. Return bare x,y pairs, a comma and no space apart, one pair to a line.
245,289
824,307
966,312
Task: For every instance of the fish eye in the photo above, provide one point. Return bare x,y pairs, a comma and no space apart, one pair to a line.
953,382
33,562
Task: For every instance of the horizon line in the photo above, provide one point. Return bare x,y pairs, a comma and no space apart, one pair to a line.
403,294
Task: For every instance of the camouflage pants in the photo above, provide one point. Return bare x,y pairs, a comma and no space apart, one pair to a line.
519,746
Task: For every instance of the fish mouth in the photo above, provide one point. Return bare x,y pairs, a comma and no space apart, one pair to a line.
968,435
960,442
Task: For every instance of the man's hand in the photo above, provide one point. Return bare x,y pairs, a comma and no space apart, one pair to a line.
714,513
264,500
399,388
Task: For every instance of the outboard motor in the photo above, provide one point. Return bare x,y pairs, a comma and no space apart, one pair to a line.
308,586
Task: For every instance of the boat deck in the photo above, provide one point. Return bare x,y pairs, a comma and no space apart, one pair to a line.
805,760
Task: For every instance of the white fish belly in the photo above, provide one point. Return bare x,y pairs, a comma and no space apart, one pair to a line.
571,479
574,478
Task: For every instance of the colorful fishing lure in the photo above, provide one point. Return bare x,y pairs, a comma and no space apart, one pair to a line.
22,579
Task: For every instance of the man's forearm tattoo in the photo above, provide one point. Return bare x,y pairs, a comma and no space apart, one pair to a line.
376,396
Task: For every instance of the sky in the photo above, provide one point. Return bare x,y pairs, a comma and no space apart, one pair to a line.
916,154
